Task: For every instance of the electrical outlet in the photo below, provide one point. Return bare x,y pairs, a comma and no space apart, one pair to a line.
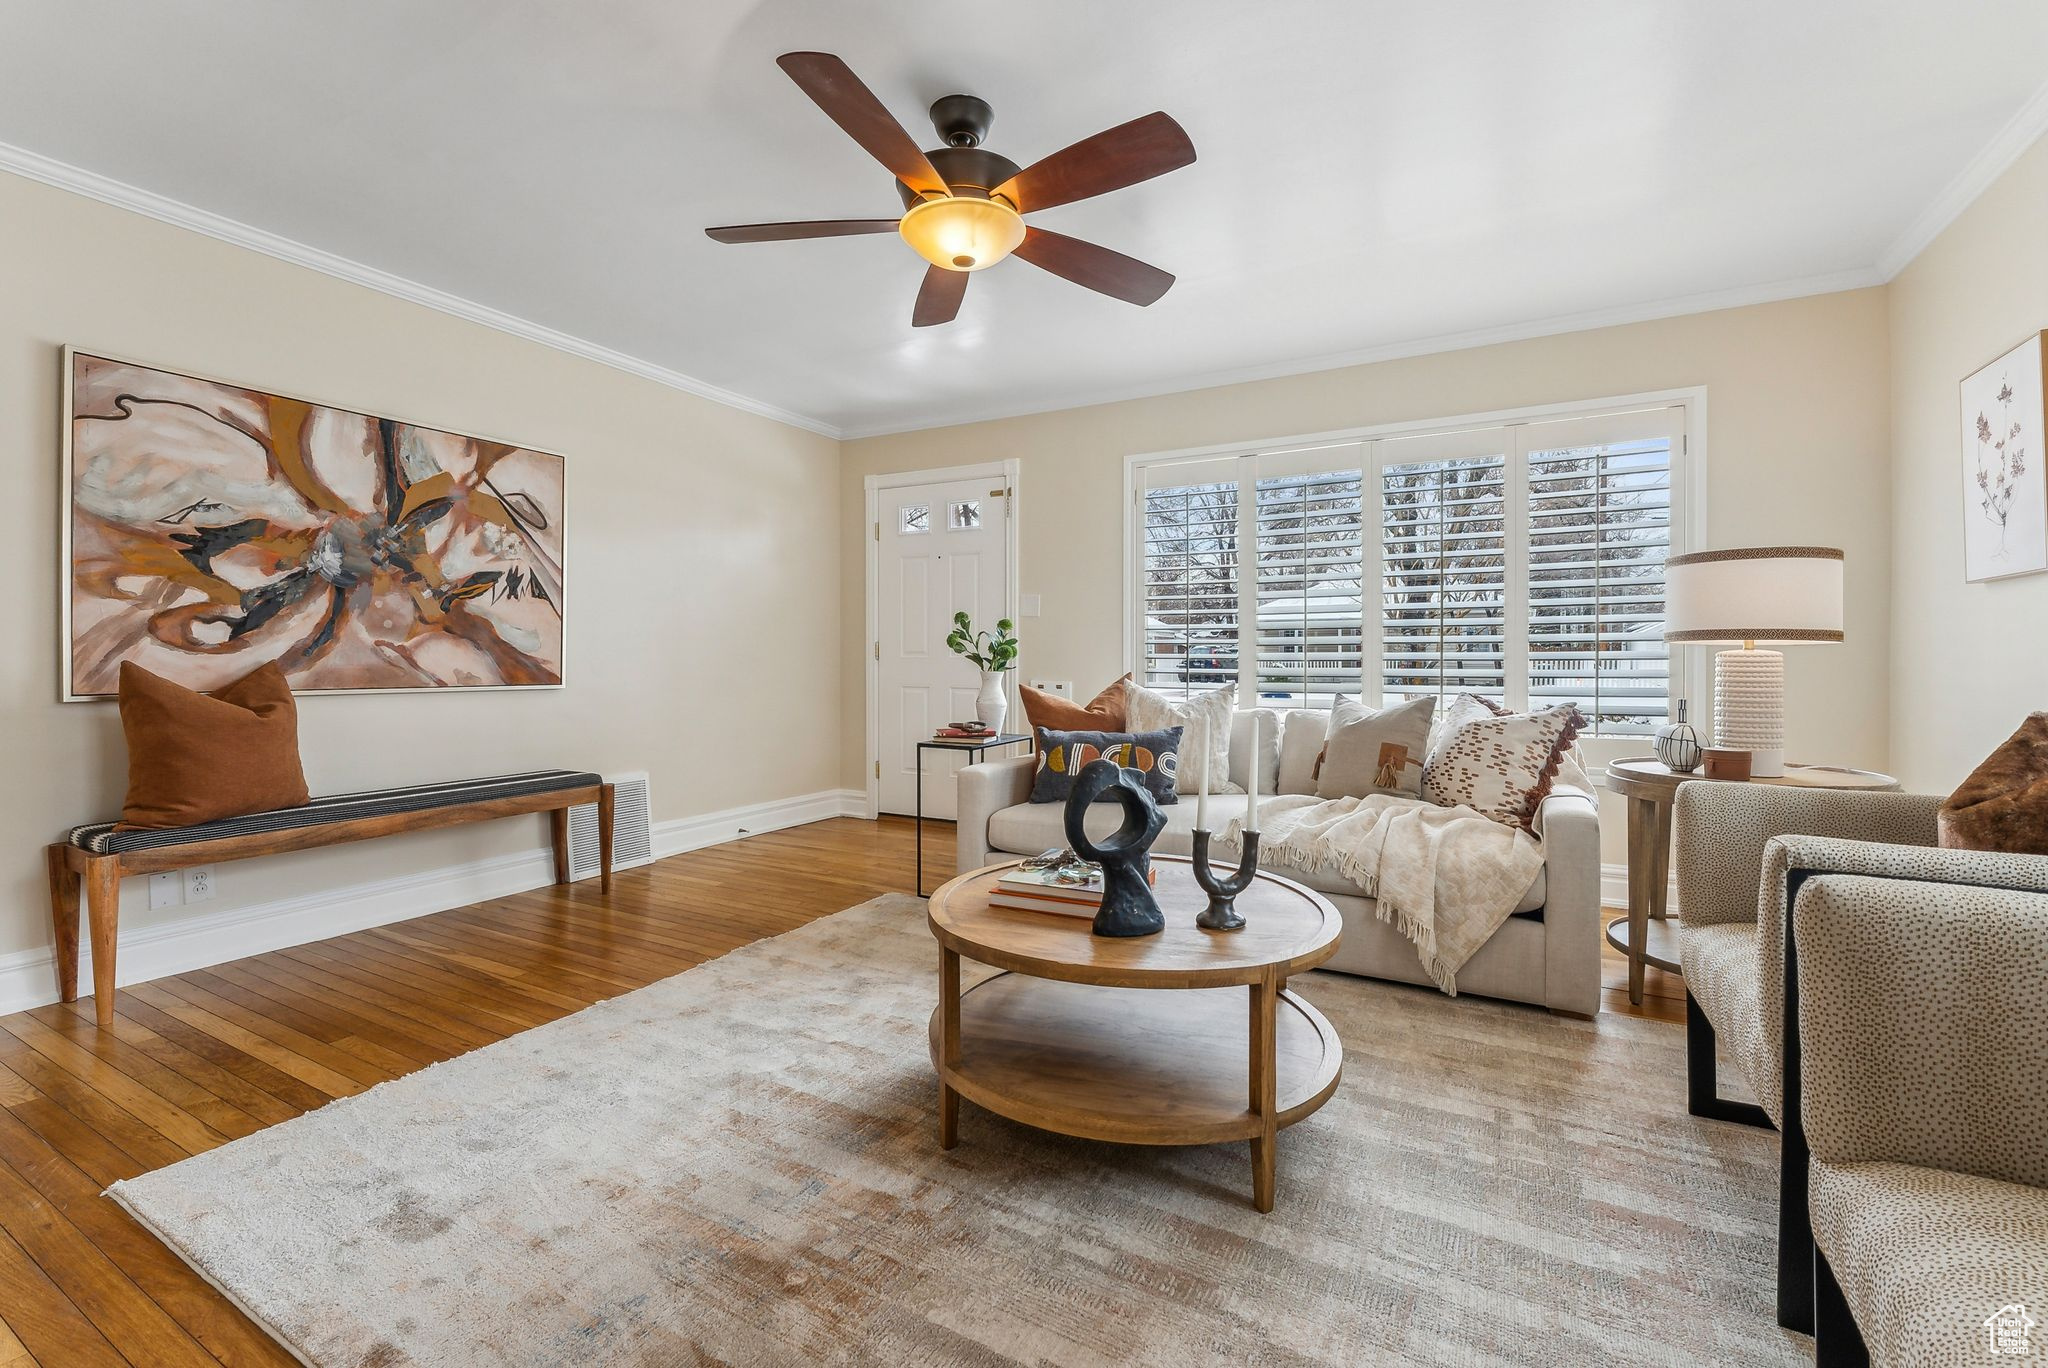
1031,605
1063,687
198,883
166,889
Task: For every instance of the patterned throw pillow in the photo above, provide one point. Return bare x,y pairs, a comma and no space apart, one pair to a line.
1146,710
1062,755
1502,766
1368,751
1467,707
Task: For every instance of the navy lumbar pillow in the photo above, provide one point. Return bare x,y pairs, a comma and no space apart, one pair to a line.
1062,755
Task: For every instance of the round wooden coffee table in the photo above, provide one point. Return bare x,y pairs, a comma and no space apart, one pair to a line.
1074,1037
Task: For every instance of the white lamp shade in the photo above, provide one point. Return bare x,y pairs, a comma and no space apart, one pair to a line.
1759,593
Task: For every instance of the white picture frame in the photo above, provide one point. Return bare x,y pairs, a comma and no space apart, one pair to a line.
2005,466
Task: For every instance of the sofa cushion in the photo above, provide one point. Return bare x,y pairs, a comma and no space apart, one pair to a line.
1029,828
2003,805
1267,756
1721,974
1926,1256
1302,734
1104,712
1207,720
1062,755
1502,766
1374,750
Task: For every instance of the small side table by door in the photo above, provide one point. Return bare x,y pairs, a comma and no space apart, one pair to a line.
974,746
1645,935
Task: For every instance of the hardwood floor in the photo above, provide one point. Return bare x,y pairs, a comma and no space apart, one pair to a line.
202,1058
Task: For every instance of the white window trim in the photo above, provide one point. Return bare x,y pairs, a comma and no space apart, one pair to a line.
1688,508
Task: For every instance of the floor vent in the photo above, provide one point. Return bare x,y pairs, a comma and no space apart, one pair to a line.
632,828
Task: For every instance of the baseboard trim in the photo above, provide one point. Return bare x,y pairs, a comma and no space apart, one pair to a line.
1614,889
28,978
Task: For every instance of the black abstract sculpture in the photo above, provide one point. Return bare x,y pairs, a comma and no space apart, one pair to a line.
1221,914
1128,907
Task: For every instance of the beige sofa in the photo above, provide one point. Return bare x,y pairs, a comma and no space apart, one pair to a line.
1547,954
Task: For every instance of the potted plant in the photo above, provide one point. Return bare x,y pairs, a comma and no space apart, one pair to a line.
994,656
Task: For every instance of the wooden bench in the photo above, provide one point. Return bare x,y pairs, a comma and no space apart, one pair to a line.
103,854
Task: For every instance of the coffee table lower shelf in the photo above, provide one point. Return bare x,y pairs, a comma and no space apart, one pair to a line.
1133,1065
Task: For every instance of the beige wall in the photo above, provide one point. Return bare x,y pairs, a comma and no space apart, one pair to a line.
691,524
1968,661
1797,447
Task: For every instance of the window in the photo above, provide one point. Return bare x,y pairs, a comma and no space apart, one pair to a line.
1521,560
1189,606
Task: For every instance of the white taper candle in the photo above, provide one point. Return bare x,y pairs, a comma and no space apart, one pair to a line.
1202,793
1251,803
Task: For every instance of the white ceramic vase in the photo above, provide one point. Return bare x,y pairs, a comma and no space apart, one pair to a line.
990,704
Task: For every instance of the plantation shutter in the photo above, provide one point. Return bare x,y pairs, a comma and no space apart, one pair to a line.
1443,565
1189,605
1599,529
1522,561
1308,524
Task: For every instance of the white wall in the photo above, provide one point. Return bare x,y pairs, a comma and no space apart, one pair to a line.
691,524
1968,661
1797,445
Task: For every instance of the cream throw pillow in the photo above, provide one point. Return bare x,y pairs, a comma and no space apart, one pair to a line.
1502,766
1374,752
1204,715
1467,707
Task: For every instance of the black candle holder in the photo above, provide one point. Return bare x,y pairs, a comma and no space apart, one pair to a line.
1221,914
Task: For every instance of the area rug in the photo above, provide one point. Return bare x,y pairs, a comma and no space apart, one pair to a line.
739,1165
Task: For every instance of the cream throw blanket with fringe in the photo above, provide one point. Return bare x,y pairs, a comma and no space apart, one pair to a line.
1446,876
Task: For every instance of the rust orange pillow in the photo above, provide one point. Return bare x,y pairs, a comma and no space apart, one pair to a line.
1103,713
194,757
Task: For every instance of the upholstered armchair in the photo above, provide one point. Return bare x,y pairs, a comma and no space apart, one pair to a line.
1920,998
1737,871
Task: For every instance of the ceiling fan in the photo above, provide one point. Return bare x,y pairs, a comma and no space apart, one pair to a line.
964,205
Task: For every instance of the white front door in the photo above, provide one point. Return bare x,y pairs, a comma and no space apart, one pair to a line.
944,549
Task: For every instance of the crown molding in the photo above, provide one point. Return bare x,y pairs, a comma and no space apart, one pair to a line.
49,171
1993,160
1559,325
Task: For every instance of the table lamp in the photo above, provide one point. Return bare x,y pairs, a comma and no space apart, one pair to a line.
1744,596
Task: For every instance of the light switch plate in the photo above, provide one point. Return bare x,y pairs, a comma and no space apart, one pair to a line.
1030,605
166,889
198,883
1063,687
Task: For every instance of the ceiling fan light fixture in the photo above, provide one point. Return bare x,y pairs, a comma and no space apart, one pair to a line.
962,233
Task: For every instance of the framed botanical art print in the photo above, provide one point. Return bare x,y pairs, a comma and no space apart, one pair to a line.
2005,498
211,528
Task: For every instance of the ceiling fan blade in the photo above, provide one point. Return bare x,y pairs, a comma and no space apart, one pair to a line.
813,228
1098,268
1120,156
836,90
938,299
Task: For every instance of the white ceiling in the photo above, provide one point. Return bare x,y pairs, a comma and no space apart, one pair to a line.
1374,175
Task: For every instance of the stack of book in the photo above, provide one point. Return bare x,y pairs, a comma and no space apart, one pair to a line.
1038,890
962,731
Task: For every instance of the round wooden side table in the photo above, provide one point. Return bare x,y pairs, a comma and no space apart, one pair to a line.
1077,1036
1646,935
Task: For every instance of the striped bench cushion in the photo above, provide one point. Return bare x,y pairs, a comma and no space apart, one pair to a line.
103,838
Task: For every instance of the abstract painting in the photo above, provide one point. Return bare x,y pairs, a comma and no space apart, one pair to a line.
212,528
2005,499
